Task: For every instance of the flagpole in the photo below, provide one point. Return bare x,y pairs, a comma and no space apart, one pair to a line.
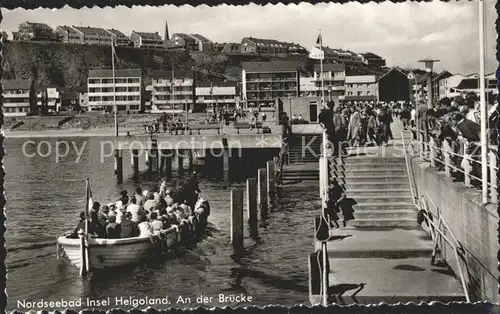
484,114
321,69
114,85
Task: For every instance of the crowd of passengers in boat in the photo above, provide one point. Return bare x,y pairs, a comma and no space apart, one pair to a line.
145,213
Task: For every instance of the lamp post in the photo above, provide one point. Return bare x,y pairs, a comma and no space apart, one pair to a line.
429,63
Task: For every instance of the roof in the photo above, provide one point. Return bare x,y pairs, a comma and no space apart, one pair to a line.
201,38
217,84
92,30
16,84
117,33
67,29
327,67
329,50
216,90
371,55
273,42
442,75
391,70
150,36
167,74
38,25
468,83
118,73
278,66
360,79
183,36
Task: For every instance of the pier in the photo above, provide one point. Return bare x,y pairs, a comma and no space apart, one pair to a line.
375,257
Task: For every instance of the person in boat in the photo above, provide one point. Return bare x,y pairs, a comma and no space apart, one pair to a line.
103,215
113,230
150,203
139,197
134,209
169,200
128,228
171,217
80,227
186,209
124,197
95,228
156,224
144,226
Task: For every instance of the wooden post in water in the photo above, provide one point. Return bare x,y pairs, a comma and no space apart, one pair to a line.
135,161
167,157
262,188
252,200
225,165
154,157
180,161
190,160
237,220
119,165
270,182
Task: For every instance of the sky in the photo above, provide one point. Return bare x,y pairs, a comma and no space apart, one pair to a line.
402,33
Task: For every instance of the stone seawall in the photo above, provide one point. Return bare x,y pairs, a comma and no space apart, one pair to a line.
474,225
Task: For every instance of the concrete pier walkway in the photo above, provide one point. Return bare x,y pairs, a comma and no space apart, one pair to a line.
383,255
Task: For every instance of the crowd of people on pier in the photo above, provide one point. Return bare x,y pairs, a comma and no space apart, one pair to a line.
145,212
356,124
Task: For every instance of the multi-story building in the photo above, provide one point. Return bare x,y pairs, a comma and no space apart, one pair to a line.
361,88
191,42
94,35
173,92
372,59
231,48
147,40
251,45
214,97
342,56
19,97
333,80
471,85
119,38
69,35
35,32
447,85
125,92
262,82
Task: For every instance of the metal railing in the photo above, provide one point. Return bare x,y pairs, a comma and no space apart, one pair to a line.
460,157
439,229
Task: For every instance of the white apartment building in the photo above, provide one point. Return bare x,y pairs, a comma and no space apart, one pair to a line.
216,97
172,94
125,92
333,80
17,97
361,88
447,85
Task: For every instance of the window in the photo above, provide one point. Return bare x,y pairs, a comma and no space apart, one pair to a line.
360,93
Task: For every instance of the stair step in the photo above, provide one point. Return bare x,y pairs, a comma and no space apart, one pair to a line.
386,223
386,214
374,160
381,198
384,206
355,173
377,191
363,166
381,179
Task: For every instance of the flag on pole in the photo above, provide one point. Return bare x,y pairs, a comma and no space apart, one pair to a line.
319,41
90,201
317,52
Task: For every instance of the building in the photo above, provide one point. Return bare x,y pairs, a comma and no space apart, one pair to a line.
147,40
333,80
361,88
262,82
447,85
435,84
308,87
69,35
48,99
94,35
393,86
119,38
471,85
337,55
191,42
128,89
231,48
372,59
35,32
215,97
18,97
308,107
172,92
251,45
202,43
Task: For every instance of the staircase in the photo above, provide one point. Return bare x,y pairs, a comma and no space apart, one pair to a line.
305,148
299,172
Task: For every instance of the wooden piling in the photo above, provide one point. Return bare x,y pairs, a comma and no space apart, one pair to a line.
262,191
252,200
237,220
225,165
190,160
180,161
135,161
168,164
119,165
270,182
154,157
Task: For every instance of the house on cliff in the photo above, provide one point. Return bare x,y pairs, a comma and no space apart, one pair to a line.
146,40
19,97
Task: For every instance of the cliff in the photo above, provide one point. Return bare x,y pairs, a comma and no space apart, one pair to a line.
68,65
